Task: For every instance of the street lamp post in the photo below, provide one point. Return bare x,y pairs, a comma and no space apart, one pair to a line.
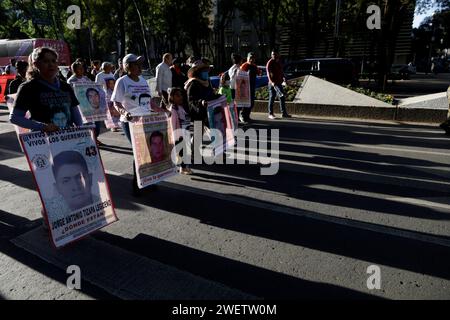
146,53
336,28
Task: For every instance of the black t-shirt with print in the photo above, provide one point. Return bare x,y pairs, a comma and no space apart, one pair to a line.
47,103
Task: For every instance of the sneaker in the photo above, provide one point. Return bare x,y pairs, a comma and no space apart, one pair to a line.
186,171
242,120
286,115
272,117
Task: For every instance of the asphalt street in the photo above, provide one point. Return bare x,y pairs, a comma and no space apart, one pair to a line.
348,195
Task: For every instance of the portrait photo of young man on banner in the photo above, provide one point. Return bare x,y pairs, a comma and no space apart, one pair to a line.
242,97
71,182
220,123
92,101
112,115
153,142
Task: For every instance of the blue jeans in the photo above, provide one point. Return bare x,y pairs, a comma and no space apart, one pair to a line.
97,128
126,130
98,125
247,111
272,95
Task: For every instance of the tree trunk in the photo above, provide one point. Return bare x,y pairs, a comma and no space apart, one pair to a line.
121,18
309,46
273,23
394,13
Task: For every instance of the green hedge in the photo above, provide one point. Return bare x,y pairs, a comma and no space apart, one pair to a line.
290,90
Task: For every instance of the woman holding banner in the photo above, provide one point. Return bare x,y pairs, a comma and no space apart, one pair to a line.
45,97
199,92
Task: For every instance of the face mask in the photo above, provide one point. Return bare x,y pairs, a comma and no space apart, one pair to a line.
204,75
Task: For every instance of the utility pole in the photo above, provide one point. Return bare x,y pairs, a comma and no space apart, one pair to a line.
91,47
146,52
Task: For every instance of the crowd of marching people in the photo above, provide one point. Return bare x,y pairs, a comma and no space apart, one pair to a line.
184,90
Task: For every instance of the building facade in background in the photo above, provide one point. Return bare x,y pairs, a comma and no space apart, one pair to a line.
358,43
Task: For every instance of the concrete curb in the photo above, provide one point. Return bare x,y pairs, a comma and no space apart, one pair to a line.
393,113
360,112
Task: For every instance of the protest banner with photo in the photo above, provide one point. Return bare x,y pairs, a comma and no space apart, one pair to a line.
92,101
153,142
112,115
234,114
112,120
71,182
10,98
219,118
242,94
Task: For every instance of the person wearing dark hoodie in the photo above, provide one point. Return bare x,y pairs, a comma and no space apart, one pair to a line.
199,92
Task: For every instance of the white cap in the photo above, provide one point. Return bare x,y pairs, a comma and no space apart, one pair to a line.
104,64
129,58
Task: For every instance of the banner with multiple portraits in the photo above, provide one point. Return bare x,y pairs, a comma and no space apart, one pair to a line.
242,93
219,118
153,142
91,97
71,182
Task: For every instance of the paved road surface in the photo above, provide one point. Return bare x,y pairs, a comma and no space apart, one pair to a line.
348,195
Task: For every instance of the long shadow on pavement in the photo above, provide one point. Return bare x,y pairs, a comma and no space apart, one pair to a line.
378,248
340,133
245,277
12,226
374,157
296,185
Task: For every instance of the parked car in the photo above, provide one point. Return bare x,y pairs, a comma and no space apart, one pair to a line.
338,70
401,71
261,80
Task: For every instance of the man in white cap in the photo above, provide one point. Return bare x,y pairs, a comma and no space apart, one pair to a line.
126,95
164,79
104,74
